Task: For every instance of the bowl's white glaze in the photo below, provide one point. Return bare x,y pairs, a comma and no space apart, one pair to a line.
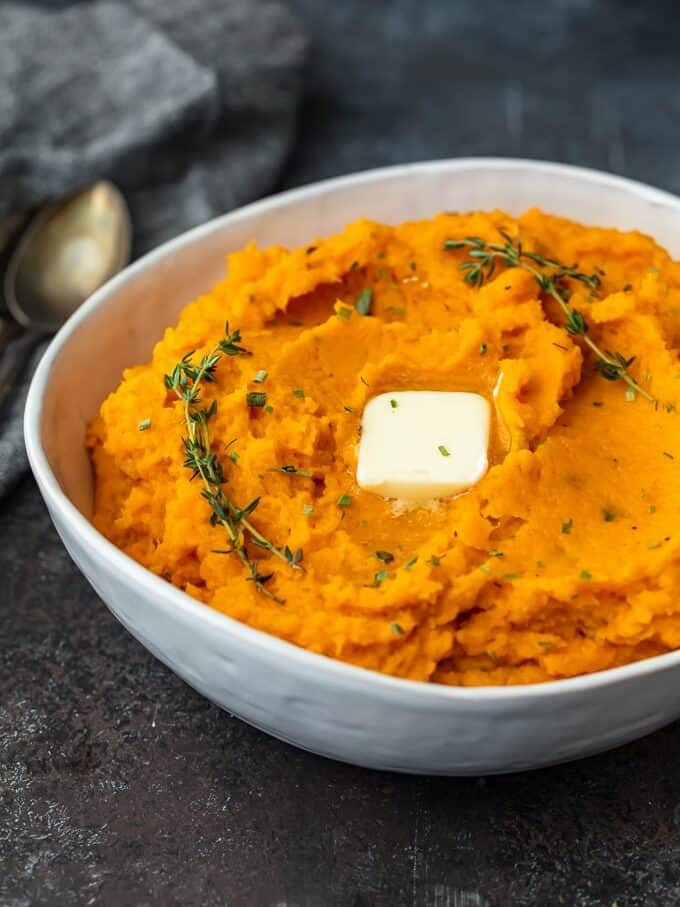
325,706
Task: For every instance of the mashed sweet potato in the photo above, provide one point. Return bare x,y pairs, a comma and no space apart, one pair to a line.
564,559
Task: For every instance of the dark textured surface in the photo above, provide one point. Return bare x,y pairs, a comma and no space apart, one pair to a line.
119,785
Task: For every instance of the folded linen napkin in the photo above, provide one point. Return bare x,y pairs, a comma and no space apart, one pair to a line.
189,106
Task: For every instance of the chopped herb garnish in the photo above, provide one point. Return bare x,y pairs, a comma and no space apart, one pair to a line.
381,255
483,347
550,275
566,527
379,578
364,301
394,404
652,508
354,266
396,628
307,510
348,409
292,471
344,500
382,273
496,553
545,644
630,394
385,556
669,455
443,450
435,560
540,565
598,403
363,380
260,377
410,562
233,456
628,287
299,393
608,515
485,569
144,425
512,576
585,575
269,409
344,313
256,398
413,266
654,545
396,310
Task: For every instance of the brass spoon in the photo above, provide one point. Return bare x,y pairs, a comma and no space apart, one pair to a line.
68,251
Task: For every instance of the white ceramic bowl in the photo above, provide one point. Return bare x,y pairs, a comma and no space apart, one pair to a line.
322,705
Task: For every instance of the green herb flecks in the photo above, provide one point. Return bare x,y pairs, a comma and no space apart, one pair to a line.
344,500
364,302
144,425
290,470
256,398
480,266
396,628
378,579
386,557
299,393
443,450
186,381
566,526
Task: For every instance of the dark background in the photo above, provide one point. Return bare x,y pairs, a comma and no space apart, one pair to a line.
120,785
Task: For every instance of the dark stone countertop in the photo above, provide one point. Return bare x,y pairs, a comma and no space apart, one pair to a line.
121,786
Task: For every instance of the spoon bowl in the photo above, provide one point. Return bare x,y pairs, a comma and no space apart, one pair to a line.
68,251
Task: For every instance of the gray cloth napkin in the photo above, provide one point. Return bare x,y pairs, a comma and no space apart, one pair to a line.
189,106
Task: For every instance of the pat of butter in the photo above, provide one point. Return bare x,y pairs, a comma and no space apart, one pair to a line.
419,445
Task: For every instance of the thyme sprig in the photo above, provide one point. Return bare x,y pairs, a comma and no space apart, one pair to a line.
483,257
186,381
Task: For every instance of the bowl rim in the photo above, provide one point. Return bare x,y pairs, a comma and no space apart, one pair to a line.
272,646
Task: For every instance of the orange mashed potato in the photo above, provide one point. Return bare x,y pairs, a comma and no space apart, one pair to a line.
564,559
